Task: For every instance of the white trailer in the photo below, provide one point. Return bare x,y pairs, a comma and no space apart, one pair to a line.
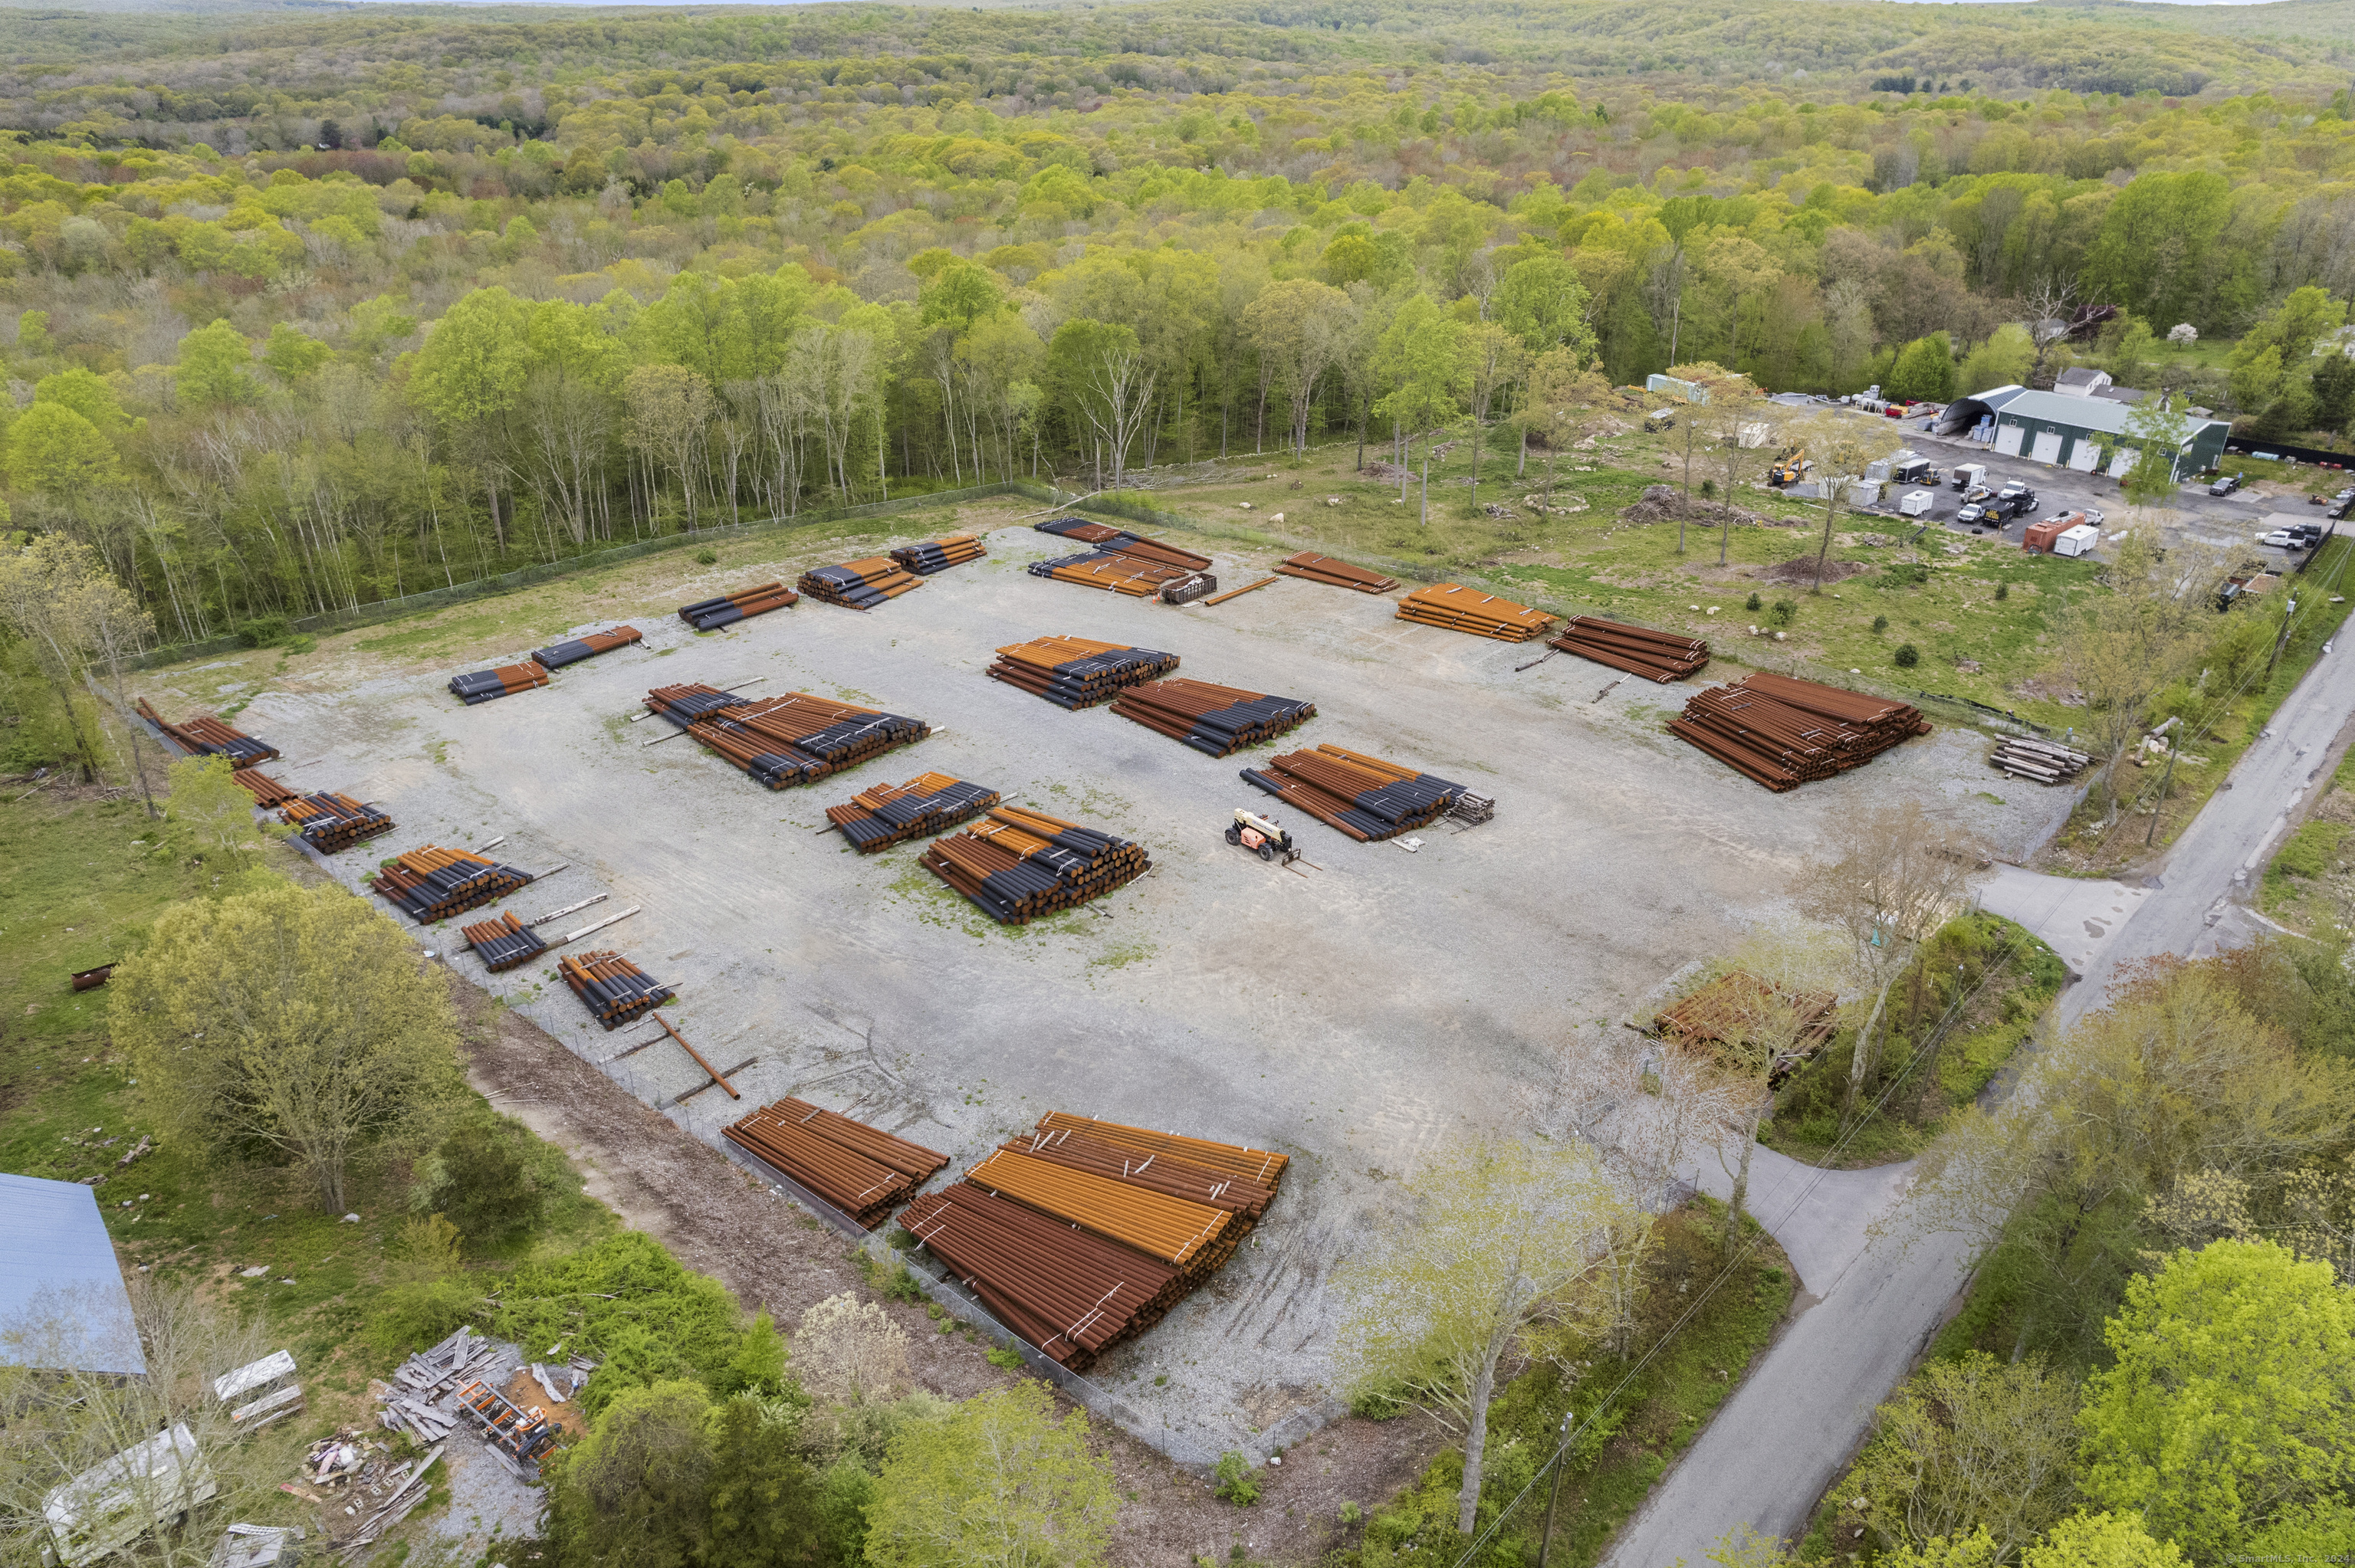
1917,503
152,1486
2077,541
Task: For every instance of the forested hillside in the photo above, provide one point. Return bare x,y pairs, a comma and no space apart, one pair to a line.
307,311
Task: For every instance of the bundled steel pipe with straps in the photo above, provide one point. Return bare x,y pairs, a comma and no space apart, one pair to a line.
712,614
1212,719
1078,671
1364,797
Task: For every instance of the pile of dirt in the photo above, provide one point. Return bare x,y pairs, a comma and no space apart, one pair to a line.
1802,569
1667,503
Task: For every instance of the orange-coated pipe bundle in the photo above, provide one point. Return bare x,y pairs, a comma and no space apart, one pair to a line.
1460,609
888,814
1333,573
860,585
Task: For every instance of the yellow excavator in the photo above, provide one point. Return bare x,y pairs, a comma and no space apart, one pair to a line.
1788,469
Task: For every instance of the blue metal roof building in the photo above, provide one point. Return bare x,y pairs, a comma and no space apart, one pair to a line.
62,1304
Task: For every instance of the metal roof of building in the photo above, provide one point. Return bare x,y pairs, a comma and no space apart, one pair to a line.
62,1303
2084,413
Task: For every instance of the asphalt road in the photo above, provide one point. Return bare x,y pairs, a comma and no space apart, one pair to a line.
1869,1305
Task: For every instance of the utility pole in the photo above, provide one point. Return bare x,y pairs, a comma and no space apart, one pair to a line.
2168,773
1560,1462
2282,641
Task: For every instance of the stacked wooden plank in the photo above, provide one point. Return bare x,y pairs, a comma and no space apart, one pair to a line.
329,821
614,990
1782,732
1078,671
1661,656
1333,573
1460,609
1085,1234
1019,864
490,685
1365,797
205,736
557,656
416,1399
784,740
266,791
2040,760
863,1171
860,585
929,555
712,614
1212,719
504,943
430,883
927,804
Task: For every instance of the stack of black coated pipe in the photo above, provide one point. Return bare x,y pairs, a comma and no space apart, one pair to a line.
1365,797
1078,671
1019,865
206,735
557,656
329,821
490,685
430,883
1217,720
614,990
504,943
927,804
712,614
931,555
860,585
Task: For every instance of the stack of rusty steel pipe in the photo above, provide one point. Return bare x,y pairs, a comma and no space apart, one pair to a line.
1019,864
266,791
1078,671
1460,609
862,1170
712,614
1335,573
929,555
1085,1234
929,803
1120,541
431,883
329,821
614,990
205,736
490,685
1661,656
1364,797
784,740
557,656
1120,574
1740,1010
860,585
1782,732
504,943
1215,720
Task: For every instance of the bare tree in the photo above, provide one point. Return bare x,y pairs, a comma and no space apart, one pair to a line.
670,410
849,1351
2049,306
1897,875
1841,445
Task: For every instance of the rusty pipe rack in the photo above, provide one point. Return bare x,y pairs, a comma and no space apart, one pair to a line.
1215,720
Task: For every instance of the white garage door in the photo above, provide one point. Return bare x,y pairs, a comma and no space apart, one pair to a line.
2048,446
2084,456
2007,440
2120,460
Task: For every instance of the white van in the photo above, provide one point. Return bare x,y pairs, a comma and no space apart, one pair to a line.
106,1508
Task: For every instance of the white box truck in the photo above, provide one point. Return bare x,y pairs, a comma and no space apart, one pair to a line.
1969,475
2077,541
152,1486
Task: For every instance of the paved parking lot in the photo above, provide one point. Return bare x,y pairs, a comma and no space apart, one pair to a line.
1354,1015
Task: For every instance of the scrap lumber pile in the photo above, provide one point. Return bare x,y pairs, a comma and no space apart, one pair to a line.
1086,1234
1078,671
1019,864
329,821
266,791
712,614
504,943
557,656
409,1483
1324,569
490,685
2040,760
260,1393
431,883
927,804
414,1401
1365,797
205,736
1782,732
784,740
1460,609
1740,1009
614,990
860,585
1660,656
929,555
1216,720
862,1170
